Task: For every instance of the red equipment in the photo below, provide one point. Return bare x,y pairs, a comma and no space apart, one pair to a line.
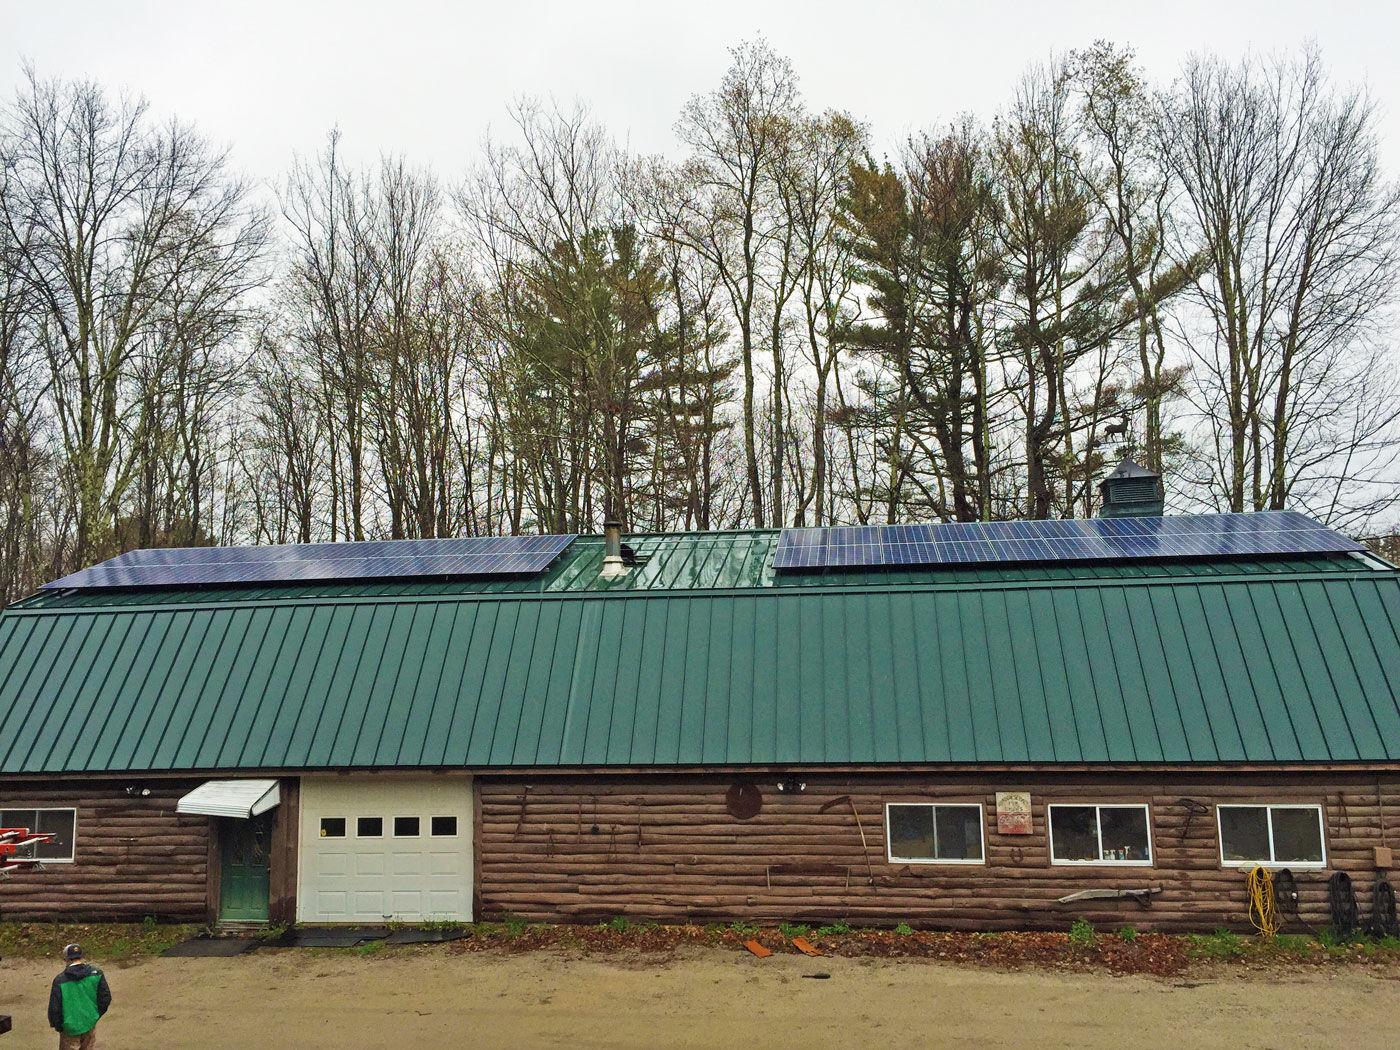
14,839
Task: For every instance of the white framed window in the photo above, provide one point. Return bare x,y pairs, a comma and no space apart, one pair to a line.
443,827
369,827
62,824
935,833
1107,834
406,827
332,827
1289,835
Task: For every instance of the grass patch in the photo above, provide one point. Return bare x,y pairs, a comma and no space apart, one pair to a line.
1128,934
747,929
1081,933
38,940
1222,944
1294,945
833,929
793,929
904,930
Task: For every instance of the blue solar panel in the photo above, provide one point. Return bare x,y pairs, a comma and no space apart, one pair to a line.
309,562
1077,539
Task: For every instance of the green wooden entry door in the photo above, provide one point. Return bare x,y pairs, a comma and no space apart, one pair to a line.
243,880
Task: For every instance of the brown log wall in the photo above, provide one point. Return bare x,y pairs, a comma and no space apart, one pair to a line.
282,861
134,856
666,848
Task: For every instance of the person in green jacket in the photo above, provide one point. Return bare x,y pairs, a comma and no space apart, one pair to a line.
79,998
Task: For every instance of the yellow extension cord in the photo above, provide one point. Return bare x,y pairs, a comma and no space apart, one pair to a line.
1261,901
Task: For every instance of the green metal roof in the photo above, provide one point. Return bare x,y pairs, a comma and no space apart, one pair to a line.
701,656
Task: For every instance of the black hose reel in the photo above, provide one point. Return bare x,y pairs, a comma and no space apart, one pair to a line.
1286,893
1383,919
1341,899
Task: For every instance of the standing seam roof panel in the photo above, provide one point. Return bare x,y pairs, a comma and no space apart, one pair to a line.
294,679
25,653
134,677
1084,734
1340,662
373,747
1363,596
91,661
1269,667
225,743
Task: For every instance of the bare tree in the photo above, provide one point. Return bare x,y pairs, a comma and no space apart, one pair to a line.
814,177
283,449
725,208
106,216
1064,291
333,287
1297,225
26,468
1131,181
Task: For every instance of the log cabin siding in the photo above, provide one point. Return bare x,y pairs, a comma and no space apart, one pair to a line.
666,848
134,856
283,854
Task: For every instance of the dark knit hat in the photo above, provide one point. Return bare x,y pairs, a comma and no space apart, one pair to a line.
73,952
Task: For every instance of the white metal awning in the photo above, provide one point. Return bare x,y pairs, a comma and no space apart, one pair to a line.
231,798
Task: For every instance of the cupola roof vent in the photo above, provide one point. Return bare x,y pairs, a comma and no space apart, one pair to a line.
1131,491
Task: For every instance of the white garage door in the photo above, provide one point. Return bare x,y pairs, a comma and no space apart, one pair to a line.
381,848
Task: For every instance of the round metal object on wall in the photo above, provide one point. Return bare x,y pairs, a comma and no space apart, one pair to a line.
743,801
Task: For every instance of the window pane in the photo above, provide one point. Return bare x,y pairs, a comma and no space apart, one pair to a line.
1297,835
1072,830
59,824
444,825
332,827
20,818
369,827
911,832
406,827
1124,833
959,832
1244,833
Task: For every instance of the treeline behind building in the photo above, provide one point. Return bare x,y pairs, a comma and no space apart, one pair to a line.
776,323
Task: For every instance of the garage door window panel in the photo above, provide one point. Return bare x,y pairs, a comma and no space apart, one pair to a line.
332,827
369,827
444,827
406,827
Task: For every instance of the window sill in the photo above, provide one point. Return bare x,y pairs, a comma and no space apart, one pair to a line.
1100,863
1275,865
934,860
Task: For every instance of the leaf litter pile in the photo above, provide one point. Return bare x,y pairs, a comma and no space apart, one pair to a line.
1123,952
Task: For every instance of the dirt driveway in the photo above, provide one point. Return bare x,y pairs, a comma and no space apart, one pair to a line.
704,998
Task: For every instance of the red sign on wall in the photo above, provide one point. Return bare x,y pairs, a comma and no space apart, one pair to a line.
1013,812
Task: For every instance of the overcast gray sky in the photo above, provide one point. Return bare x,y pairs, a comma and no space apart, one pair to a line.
427,79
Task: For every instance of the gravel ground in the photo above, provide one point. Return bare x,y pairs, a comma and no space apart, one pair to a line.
700,997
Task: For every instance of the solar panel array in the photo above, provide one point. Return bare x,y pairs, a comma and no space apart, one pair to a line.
1080,539
310,562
